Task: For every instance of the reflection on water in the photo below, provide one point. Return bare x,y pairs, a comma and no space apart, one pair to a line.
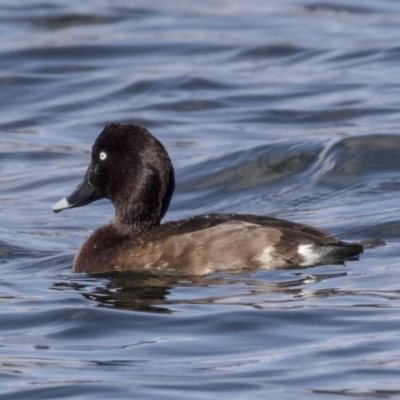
154,293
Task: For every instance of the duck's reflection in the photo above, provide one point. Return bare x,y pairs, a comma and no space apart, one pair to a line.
158,294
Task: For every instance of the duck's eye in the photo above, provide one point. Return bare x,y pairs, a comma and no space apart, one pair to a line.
103,156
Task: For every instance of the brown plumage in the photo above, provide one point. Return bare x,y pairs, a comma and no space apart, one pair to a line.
131,168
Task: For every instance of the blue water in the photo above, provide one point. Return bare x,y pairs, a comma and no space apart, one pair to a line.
284,108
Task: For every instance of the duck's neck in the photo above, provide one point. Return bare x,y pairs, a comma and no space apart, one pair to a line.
139,217
143,208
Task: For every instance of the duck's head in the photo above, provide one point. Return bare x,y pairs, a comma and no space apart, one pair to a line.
132,169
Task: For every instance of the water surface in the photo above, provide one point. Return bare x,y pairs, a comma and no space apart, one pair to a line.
284,108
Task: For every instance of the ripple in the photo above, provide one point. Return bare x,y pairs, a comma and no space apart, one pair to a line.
340,8
350,159
271,51
63,21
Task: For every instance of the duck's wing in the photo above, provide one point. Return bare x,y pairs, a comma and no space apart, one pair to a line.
219,242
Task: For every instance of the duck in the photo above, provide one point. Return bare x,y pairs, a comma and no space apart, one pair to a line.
131,168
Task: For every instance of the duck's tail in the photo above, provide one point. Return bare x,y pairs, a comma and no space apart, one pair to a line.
371,243
334,253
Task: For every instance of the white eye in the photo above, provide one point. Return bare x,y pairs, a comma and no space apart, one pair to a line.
103,156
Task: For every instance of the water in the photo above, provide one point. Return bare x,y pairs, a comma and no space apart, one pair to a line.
285,108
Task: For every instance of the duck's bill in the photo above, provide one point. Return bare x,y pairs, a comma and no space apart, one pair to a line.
84,194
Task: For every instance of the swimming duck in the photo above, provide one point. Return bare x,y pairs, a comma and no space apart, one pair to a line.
132,169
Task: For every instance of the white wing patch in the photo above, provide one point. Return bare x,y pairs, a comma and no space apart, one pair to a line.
309,254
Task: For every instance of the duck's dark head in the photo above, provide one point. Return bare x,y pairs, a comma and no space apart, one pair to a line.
131,168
